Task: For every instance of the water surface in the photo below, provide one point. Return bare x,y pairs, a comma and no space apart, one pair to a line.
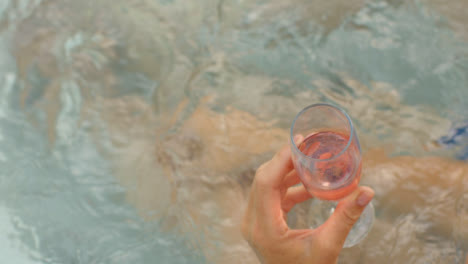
130,130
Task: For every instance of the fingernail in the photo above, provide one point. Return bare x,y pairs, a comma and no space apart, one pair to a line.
364,198
297,138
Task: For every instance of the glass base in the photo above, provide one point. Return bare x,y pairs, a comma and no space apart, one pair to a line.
320,211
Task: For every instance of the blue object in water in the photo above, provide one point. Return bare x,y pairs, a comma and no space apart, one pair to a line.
457,137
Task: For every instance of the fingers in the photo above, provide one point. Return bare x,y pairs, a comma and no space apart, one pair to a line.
298,139
295,195
291,179
271,182
348,211
272,173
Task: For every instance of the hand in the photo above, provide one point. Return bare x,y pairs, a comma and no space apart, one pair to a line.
273,195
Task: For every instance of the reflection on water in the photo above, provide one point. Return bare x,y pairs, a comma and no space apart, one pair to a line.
130,130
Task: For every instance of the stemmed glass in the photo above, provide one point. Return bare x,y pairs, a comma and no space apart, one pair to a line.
328,162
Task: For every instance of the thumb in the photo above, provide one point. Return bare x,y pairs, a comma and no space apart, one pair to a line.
348,211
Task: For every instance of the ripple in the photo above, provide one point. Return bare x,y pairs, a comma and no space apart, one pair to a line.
130,130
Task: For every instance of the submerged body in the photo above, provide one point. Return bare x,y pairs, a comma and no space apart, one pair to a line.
407,189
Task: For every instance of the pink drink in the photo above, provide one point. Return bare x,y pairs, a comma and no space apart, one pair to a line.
333,177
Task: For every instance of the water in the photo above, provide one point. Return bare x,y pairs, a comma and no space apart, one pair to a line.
130,129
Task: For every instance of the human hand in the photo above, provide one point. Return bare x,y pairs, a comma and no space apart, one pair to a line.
273,195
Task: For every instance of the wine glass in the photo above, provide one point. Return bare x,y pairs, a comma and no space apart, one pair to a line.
328,162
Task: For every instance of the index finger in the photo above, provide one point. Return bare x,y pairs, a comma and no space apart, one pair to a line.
268,183
274,171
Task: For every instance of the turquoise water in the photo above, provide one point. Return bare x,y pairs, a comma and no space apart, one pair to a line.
98,164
